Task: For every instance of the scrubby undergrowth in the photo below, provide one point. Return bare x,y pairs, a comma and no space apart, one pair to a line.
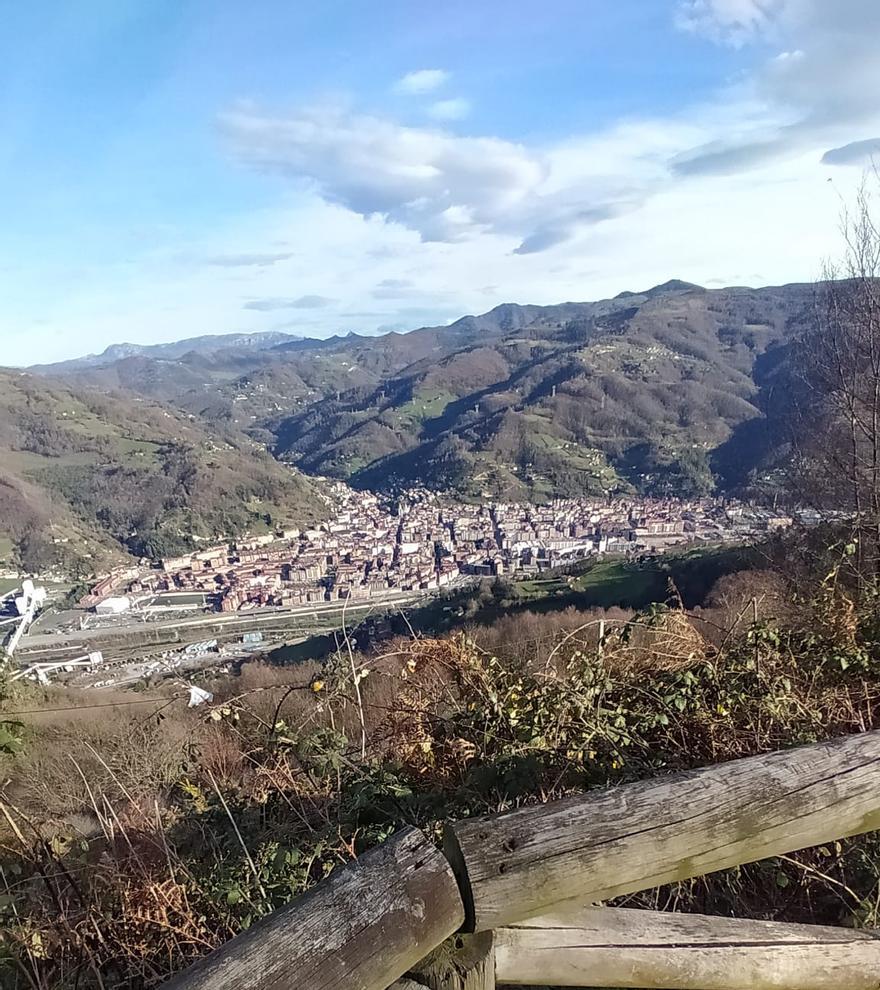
133,844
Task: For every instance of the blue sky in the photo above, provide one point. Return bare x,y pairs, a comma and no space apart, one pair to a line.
178,167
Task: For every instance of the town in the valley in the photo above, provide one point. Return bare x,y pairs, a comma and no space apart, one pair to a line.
372,553
371,546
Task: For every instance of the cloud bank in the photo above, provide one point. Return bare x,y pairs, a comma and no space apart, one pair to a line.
450,187
734,22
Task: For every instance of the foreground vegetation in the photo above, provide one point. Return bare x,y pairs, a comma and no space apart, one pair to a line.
135,838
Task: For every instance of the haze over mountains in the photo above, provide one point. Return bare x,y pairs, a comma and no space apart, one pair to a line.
664,390
179,348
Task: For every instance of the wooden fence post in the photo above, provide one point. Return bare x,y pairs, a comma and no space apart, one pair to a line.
465,962
364,927
624,839
607,947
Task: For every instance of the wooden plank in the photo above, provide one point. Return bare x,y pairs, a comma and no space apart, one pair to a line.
466,962
604,947
361,929
601,845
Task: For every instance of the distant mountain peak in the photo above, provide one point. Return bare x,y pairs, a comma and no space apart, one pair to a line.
115,352
673,285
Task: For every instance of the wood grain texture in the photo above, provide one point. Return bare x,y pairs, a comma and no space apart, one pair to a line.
466,962
603,947
601,845
361,929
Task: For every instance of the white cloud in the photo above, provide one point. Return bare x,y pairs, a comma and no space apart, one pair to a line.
450,187
421,81
444,186
273,303
819,90
734,22
394,288
454,109
251,260
861,153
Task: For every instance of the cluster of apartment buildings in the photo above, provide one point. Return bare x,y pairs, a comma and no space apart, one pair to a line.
371,546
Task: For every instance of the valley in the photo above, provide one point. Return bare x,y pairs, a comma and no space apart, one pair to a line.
440,496
283,474
676,391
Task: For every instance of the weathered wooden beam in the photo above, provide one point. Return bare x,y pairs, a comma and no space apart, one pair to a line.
465,962
601,845
603,947
363,927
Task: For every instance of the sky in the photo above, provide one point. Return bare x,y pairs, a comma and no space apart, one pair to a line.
172,168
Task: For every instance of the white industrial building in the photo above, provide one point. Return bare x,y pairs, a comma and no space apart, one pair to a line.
113,606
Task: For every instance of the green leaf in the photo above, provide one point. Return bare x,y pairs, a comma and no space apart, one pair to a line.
10,740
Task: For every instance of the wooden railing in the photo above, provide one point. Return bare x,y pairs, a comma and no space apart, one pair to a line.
510,898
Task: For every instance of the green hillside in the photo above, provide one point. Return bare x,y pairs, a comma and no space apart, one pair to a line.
660,391
90,476
644,392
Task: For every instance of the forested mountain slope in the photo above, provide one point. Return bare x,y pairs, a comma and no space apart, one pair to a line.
89,476
640,391
652,390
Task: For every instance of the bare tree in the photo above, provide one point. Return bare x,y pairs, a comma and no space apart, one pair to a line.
837,365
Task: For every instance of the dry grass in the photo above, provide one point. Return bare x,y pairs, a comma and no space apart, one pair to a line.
121,756
200,821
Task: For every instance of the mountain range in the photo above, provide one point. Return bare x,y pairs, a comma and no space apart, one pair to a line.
666,390
205,344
